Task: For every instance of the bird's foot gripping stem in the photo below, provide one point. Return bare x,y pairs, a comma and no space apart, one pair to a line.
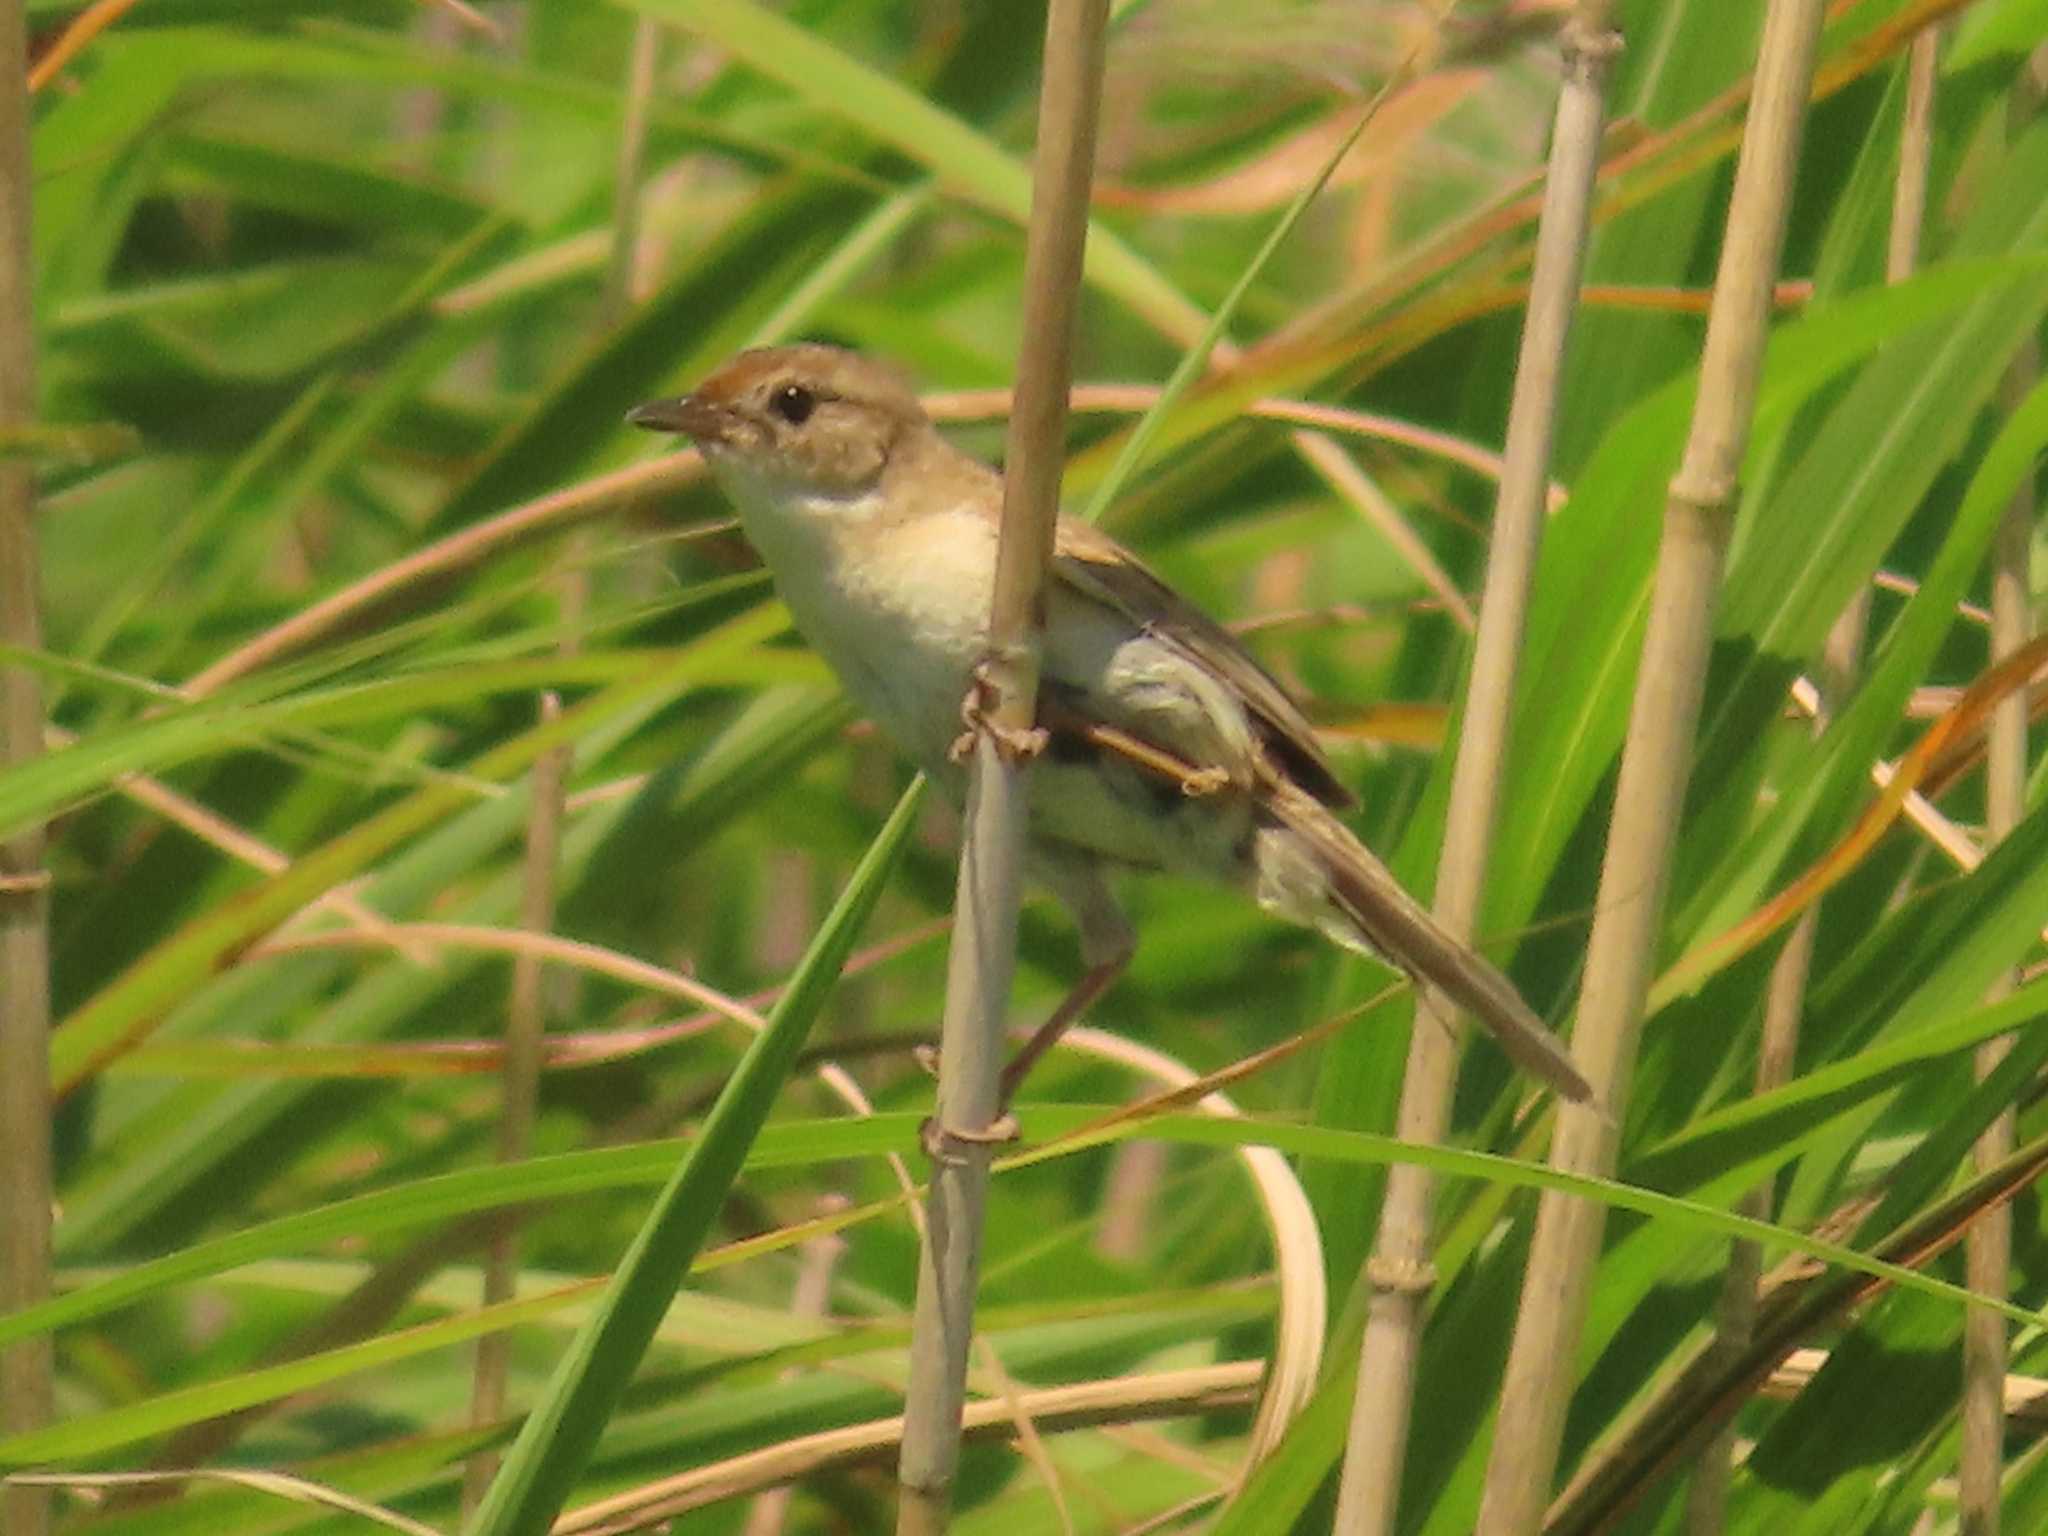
1017,744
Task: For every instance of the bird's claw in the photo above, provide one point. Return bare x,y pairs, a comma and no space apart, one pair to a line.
1017,743
948,1145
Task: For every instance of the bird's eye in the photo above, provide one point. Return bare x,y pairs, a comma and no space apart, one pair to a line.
794,404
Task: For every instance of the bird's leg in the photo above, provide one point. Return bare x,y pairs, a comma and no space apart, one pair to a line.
1098,980
1058,717
1106,946
1193,781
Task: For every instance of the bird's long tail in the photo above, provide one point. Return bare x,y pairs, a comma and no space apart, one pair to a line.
1311,869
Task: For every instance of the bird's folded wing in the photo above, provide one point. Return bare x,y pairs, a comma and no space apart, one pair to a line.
1093,565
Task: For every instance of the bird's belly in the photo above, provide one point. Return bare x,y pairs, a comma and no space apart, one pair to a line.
905,624
1140,821
904,627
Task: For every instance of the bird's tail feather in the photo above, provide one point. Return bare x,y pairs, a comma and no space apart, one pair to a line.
1311,869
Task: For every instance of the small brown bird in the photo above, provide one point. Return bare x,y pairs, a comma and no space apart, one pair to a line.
1167,747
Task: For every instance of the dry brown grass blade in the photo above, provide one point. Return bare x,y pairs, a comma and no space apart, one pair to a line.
1797,1303
1269,181
76,37
1121,1400
1962,755
1382,317
1965,719
1354,486
1299,1331
458,551
244,1058
470,17
283,1485
1665,300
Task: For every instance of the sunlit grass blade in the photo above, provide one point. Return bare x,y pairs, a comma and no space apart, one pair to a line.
565,1425
124,1009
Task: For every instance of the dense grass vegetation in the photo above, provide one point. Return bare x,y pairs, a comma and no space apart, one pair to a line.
346,303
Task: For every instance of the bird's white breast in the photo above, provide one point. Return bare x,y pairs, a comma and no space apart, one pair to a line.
899,609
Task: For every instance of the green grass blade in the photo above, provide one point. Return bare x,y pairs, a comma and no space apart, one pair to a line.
968,164
564,1427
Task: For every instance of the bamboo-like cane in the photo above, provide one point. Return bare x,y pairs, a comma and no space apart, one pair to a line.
1987,1254
991,858
1399,1271
1785,993
1656,761
25,1369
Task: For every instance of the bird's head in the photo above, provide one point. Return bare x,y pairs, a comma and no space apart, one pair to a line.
806,421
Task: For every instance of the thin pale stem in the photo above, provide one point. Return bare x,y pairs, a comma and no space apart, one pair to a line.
519,1090
25,1109
1399,1272
1650,792
1785,994
817,1259
526,1013
984,946
641,63
1987,1254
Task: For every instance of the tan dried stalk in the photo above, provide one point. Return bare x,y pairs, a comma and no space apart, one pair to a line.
1650,793
984,948
1785,993
1399,1272
526,1008
25,1369
816,1261
1119,1400
519,1085
1987,1252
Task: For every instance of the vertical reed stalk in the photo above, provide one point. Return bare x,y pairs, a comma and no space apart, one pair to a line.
817,1259
519,1087
1655,764
526,1006
25,1369
1785,994
1987,1253
1399,1271
984,946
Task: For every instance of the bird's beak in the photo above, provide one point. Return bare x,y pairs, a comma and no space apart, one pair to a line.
691,415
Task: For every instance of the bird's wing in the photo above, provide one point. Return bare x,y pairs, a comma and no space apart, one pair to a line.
1091,563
